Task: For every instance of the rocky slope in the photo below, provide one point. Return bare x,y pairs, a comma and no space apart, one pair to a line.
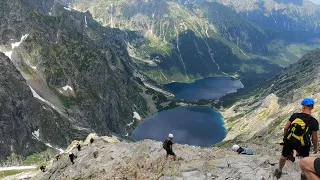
75,66
171,41
145,160
23,118
293,15
260,115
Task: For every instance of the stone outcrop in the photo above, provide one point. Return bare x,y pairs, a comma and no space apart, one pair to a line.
146,160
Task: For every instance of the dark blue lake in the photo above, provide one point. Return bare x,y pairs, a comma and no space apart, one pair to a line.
208,88
199,126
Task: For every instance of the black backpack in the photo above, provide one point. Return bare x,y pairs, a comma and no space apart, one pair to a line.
298,132
165,144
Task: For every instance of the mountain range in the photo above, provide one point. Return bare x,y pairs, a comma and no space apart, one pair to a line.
290,15
71,67
180,41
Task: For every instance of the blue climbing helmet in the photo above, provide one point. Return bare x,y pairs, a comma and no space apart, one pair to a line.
307,102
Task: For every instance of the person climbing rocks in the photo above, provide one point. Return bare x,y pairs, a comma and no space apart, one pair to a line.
72,157
311,167
42,168
79,147
91,140
241,150
58,157
167,145
297,133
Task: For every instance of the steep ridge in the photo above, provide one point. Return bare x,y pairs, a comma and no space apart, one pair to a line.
260,115
291,15
171,41
22,117
145,160
75,66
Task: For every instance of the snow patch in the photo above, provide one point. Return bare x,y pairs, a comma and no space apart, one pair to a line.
136,116
59,149
17,44
9,53
49,145
44,107
14,45
66,8
130,124
85,20
36,134
36,95
67,87
127,134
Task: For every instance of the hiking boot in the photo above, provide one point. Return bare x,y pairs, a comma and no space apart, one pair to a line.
278,173
303,177
291,158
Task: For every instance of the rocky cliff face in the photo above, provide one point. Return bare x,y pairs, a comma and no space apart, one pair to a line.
145,160
261,114
75,66
27,123
172,41
293,15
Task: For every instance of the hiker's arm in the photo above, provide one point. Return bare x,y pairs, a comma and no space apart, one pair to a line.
286,127
315,141
171,147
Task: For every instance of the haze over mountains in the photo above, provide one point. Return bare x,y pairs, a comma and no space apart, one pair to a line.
90,64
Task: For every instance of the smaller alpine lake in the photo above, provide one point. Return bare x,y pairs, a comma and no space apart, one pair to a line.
208,88
201,126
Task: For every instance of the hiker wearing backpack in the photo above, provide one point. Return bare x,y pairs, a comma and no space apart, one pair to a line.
167,145
241,150
297,133
72,157
43,168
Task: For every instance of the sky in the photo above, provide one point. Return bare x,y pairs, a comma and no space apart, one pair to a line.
316,1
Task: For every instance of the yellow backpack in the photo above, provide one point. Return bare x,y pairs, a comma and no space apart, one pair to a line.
298,132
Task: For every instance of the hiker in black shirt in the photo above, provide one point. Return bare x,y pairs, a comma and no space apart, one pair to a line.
297,133
79,146
168,147
72,157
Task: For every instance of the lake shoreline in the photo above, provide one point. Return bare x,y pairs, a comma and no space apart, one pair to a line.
204,94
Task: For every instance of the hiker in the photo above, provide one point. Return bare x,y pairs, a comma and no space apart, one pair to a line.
58,157
297,133
42,168
241,150
167,145
311,167
72,157
79,147
91,140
